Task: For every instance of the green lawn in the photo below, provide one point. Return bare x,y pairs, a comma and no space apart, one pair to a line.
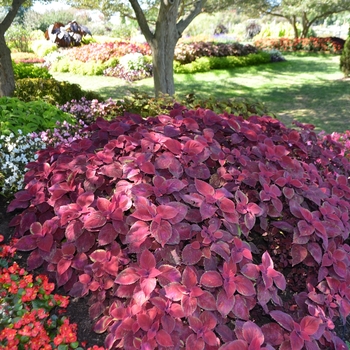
309,88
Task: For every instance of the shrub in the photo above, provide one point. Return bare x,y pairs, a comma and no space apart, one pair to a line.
329,44
205,64
44,47
29,116
345,58
28,70
189,52
18,38
102,52
194,229
51,91
64,64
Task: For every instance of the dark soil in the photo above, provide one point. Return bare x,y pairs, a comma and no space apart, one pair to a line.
78,309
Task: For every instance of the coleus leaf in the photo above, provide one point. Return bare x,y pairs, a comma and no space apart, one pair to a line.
285,320
161,231
211,279
127,276
107,234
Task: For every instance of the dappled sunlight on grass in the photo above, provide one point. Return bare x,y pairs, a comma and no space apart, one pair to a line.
308,88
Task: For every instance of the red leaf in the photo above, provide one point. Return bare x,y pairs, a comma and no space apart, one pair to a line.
94,220
127,276
36,228
168,274
207,210
173,146
190,255
310,324
26,243
181,210
189,277
144,321
192,147
211,279
85,241
227,206
102,324
206,301
208,319
235,345
166,212
251,332
161,231
299,253
273,333
145,211
45,243
204,188
315,251
73,230
195,323
164,339
34,260
283,319
107,234
85,199
224,304
210,338
295,341
240,308
63,266
174,291
194,343
244,286
147,260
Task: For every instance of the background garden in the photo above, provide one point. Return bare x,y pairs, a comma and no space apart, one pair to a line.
215,218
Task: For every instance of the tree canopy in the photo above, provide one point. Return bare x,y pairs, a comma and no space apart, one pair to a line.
296,12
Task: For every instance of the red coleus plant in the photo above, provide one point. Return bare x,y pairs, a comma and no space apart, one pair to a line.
185,229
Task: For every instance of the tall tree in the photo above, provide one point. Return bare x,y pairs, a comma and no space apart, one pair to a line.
303,12
10,9
162,22
7,79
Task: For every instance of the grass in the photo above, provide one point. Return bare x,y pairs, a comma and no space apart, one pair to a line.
308,88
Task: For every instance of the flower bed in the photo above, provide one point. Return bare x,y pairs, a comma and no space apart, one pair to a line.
180,226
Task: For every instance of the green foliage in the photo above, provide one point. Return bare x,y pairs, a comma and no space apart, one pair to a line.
50,91
18,38
29,116
43,47
146,105
345,58
65,64
27,70
205,64
312,44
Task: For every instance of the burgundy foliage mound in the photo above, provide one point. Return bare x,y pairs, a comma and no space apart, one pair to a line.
195,231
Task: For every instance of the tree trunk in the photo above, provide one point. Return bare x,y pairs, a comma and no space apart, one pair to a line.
293,21
163,45
305,25
7,78
163,41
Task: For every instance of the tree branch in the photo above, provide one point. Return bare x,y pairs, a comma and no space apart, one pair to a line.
142,21
183,23
7,21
